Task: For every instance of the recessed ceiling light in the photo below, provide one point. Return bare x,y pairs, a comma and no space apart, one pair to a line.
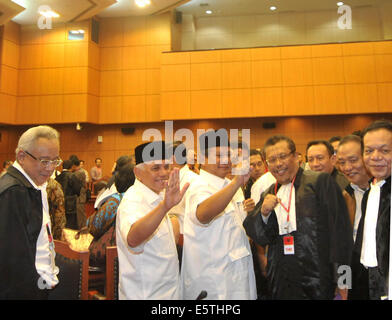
340,3
208,11
273,8
142,3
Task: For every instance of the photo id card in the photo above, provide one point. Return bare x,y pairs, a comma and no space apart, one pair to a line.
288,244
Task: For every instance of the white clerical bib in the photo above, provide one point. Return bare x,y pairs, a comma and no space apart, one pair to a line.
368,252
286,220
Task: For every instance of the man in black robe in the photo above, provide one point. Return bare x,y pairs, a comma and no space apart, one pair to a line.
302,259
370,260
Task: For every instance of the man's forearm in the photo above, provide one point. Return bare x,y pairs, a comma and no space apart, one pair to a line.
142,229
214,205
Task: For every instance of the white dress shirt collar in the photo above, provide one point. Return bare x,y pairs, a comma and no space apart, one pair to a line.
214,180
150,195
17,166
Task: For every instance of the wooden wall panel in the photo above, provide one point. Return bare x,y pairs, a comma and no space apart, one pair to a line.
330,99
130,67
30,56
266,73
236,75
361,98
74,109
27,109
237,102
9,80
10,54
328,71
133,82
267,101
385,97
206,76
53,76
153,108
133,108
76,54
9,63
176,77
359,69
176,105
298,100
308,80
8,106
206,104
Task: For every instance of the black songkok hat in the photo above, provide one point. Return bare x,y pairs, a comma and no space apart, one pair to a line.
213,138
178,149
150,151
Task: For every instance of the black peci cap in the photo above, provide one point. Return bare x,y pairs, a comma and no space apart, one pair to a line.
213,138
150,151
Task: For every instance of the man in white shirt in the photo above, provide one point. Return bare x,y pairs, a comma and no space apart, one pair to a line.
370,261
217,256
186,176
27,249
350,161
146,247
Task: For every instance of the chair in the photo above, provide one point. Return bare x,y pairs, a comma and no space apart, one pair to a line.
73,274
111,277
111,287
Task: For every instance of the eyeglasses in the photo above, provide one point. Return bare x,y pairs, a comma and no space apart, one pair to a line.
46,163
282,157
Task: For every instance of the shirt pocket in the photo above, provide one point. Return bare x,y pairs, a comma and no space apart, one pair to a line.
238,253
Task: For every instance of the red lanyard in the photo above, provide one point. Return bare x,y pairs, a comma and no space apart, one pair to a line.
288,208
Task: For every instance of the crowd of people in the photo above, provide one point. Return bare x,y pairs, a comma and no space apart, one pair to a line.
270,225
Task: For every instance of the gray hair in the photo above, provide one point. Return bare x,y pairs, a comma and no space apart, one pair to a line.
29,137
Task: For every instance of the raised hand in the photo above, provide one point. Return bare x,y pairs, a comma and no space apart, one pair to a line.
249,204
242,173
173,194
269,203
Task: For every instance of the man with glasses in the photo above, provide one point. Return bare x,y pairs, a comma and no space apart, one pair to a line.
258,169
371,250
304,221
27,265
321,157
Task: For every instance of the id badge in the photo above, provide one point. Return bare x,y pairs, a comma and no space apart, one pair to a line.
288,244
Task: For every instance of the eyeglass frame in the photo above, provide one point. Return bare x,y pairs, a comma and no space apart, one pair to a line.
282,157
45,163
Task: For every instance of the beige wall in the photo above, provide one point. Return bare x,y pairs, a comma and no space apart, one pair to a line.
368,23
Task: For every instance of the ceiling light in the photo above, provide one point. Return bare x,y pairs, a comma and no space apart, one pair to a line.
340,3
77,31
142,3
273,8
49,14
208,11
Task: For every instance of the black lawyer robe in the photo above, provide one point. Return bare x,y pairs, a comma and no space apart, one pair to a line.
322,241
365,287
20,224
